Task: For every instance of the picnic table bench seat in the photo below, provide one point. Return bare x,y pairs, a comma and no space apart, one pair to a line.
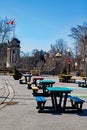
72,80
29,84
35,90
40,102
21,80
76,102
61,79
82,84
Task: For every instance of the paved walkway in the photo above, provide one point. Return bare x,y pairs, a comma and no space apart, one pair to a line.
18,108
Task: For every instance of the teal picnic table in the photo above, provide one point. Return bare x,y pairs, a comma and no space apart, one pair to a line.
45,83
60,92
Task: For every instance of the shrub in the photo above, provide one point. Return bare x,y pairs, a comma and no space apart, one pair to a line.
83,74
16,74
78,73
64,70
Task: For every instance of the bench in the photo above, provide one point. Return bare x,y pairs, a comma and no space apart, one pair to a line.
35,90
21,81
82,84
29,84
72,80
76,102
61,79
40,102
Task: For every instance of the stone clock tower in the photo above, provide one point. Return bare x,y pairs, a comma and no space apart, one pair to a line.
13,53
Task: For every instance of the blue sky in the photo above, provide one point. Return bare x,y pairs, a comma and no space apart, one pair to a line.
39,23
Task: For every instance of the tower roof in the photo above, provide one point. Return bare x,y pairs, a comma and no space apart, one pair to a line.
14,42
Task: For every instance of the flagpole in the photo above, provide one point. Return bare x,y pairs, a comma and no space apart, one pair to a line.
14,31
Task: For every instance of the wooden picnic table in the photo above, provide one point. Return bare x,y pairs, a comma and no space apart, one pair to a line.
66,78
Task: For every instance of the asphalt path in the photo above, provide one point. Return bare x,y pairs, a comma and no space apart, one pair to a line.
18,108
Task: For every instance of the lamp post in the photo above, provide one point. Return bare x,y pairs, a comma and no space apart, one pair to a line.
86,61
86,67
69,59
57,59
75,66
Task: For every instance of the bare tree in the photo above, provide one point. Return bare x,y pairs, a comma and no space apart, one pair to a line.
3,54
60,46
5,33
5,30
79,34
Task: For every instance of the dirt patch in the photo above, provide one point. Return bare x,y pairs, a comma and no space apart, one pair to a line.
11,103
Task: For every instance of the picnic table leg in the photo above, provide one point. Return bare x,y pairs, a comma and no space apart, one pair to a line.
55,102
52,99
51,85
81,106
25,79
29,79
60,101
35,82
44,89
65,100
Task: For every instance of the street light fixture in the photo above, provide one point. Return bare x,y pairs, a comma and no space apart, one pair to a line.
69,59
75,66
58,55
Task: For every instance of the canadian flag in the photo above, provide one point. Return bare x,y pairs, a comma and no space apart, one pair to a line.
11,22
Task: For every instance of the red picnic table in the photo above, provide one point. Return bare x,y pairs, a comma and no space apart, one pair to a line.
37,78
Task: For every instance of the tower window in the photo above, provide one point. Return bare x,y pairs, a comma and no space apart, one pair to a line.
13,51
